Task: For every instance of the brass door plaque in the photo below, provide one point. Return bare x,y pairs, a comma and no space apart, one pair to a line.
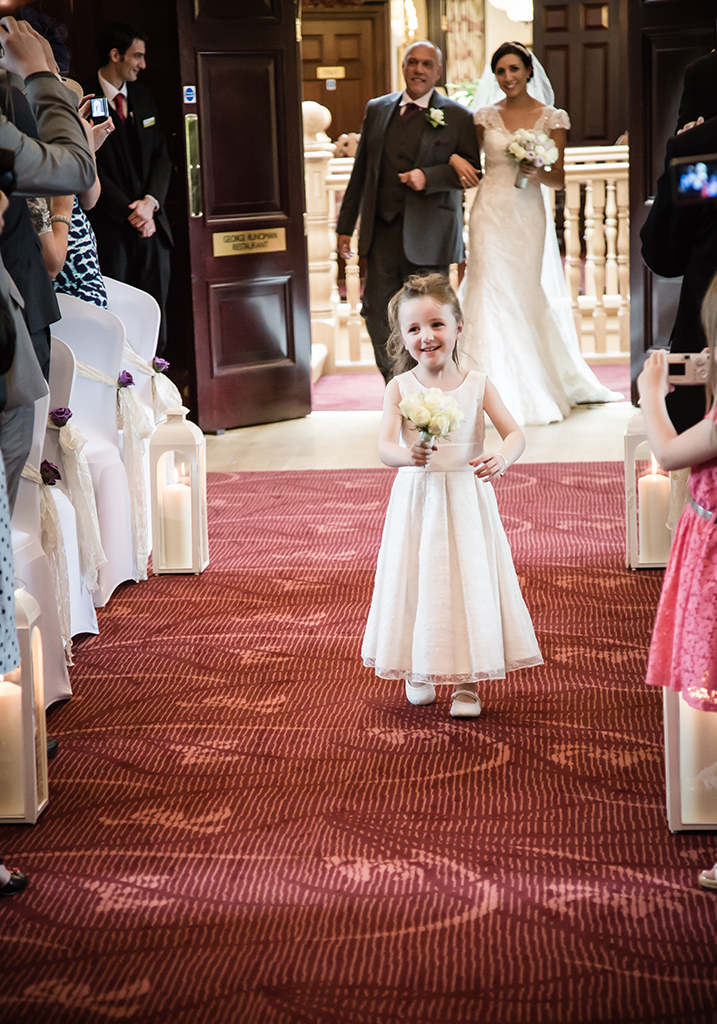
241,243
331,72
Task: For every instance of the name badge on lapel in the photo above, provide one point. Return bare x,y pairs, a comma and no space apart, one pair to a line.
148,122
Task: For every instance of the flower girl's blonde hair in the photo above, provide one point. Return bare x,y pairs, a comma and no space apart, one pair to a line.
418,286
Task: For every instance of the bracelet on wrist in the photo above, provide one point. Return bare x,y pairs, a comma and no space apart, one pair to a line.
59,218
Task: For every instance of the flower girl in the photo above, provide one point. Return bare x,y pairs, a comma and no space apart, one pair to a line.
447,607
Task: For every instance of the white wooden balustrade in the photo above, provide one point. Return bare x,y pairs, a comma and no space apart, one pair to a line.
597,177
596,196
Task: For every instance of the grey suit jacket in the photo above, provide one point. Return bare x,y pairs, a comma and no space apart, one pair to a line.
59,165
433,218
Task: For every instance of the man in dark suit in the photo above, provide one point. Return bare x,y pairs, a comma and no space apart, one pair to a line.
699,92
129,220
402,185
681,241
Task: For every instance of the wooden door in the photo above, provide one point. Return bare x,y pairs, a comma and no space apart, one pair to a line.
582,46
354,45
664,36
245,185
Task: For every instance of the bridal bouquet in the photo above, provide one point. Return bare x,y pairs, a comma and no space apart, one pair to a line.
433,413
535,147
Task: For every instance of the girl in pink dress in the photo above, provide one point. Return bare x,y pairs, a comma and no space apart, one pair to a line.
683,652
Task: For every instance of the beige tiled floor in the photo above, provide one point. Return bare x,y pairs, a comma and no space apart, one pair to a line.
347,440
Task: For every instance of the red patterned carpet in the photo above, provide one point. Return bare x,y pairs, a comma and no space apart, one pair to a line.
247,828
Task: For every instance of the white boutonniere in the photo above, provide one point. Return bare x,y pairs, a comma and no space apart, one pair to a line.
436,117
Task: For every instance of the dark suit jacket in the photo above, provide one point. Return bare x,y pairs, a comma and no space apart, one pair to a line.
699,93
433,219
20,247
154,169
682,240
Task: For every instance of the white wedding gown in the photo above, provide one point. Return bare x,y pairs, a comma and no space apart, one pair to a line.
526,345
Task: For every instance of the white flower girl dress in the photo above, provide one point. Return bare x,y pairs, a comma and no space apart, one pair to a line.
447,606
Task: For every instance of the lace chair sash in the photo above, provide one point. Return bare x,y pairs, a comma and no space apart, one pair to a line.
79,482
133,422
165,393
53,544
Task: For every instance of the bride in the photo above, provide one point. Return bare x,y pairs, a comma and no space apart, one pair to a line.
527,346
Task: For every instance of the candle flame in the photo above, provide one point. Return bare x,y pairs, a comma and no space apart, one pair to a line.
654,466
176,475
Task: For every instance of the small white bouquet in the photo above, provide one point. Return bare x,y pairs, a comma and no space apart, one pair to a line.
432,412
535,147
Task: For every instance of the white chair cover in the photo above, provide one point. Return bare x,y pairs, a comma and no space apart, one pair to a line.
65,447
133,421
97,337
33,568
165,392
79,484
53,545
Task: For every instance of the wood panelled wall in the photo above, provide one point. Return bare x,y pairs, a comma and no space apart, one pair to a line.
582,45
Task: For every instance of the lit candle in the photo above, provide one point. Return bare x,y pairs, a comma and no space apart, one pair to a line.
176,511
698,736
654,508
12,771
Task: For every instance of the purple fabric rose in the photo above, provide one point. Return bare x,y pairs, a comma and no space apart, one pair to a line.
60,416
50,473
125,379
159,365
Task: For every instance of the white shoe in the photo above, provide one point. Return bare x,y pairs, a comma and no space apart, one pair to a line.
465,708
424,693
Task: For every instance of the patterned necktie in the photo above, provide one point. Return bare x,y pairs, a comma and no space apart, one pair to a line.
119,107
409,111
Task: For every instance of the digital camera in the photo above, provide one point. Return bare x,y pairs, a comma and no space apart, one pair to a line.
694,179
688,367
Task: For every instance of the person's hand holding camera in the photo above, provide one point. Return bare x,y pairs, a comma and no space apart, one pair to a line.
24,50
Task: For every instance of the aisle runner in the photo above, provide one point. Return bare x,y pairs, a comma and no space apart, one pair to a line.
246,828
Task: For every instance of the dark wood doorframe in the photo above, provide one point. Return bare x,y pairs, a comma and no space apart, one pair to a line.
663,38
279,302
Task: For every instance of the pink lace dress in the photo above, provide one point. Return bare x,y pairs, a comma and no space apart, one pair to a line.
683,653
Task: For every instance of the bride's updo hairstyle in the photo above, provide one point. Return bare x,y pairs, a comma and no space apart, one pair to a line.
518,50
418,286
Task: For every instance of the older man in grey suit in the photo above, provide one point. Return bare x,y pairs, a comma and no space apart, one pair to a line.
60,164
402,185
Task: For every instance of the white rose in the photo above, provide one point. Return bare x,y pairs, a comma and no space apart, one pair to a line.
408,406
439,425
420,417
433,399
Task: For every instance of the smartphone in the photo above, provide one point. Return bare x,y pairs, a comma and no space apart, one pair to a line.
694,179
99,108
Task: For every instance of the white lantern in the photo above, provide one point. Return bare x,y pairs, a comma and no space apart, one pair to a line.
178,472
647,502
690,745
23,736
